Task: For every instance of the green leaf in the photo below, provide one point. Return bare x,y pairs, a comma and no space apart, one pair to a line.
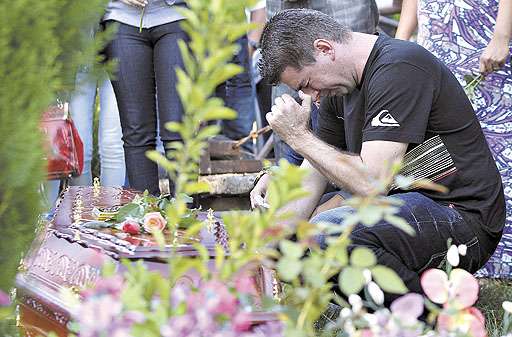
362,257
129,210
342,256
208,131
388,280
312,271
351,280
108,269
159,238
289,268
198,187
219,113
291,249
174,126
370,215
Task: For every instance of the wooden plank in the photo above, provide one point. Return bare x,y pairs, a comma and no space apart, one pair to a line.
230,166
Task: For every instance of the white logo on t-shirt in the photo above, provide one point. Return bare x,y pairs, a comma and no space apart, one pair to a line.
384,118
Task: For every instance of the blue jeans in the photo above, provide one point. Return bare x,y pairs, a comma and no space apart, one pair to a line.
109,133
409,255
146,78
238,94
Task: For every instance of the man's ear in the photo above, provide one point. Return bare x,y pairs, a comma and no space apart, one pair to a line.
325,47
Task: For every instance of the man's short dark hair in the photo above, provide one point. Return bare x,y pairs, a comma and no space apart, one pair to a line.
288,38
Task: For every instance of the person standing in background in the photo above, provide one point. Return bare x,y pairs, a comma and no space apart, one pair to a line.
146,79
472,37
82,107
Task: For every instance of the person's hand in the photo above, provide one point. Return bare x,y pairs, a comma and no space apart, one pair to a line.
494,56
289,119
258,194
135,3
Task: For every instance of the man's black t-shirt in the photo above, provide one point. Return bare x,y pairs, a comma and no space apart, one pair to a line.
407,95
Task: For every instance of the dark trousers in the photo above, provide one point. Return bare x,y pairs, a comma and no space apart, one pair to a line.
144,83
238,95
409,255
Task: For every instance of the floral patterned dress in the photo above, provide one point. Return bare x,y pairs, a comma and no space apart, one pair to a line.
457,32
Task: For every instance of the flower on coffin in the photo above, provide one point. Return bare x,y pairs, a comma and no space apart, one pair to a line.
154,222
457,293
130,226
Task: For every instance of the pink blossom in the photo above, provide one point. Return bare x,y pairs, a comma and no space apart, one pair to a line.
154,221
408,308
245,284
468,321
130,226
241,321
218,298
435,285
366,333
464,288
97,314
109,285
5,300
461,289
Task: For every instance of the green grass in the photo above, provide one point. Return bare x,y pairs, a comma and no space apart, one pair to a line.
492,293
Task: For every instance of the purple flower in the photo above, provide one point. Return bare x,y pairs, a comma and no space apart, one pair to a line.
5,300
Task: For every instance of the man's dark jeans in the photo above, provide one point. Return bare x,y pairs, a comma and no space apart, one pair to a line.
409,255
146,79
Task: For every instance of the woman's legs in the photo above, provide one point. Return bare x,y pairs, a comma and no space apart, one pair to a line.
82,111
134,87
113,170
167,58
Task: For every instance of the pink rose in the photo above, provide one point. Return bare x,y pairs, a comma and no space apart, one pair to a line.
154,221
130,226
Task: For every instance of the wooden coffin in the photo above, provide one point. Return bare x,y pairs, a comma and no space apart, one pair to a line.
65,255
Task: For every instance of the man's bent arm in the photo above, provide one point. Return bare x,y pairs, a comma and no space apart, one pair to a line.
314,183
354,173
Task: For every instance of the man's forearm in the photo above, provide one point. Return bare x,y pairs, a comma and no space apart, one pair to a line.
315,184
345,170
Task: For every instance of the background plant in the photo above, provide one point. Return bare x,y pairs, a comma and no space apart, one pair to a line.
41,45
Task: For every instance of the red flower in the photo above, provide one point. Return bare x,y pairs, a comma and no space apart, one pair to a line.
130,226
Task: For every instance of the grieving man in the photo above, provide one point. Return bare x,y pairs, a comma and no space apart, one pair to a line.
384,100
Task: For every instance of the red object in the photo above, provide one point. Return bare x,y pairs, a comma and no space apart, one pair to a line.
131,227
64,150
